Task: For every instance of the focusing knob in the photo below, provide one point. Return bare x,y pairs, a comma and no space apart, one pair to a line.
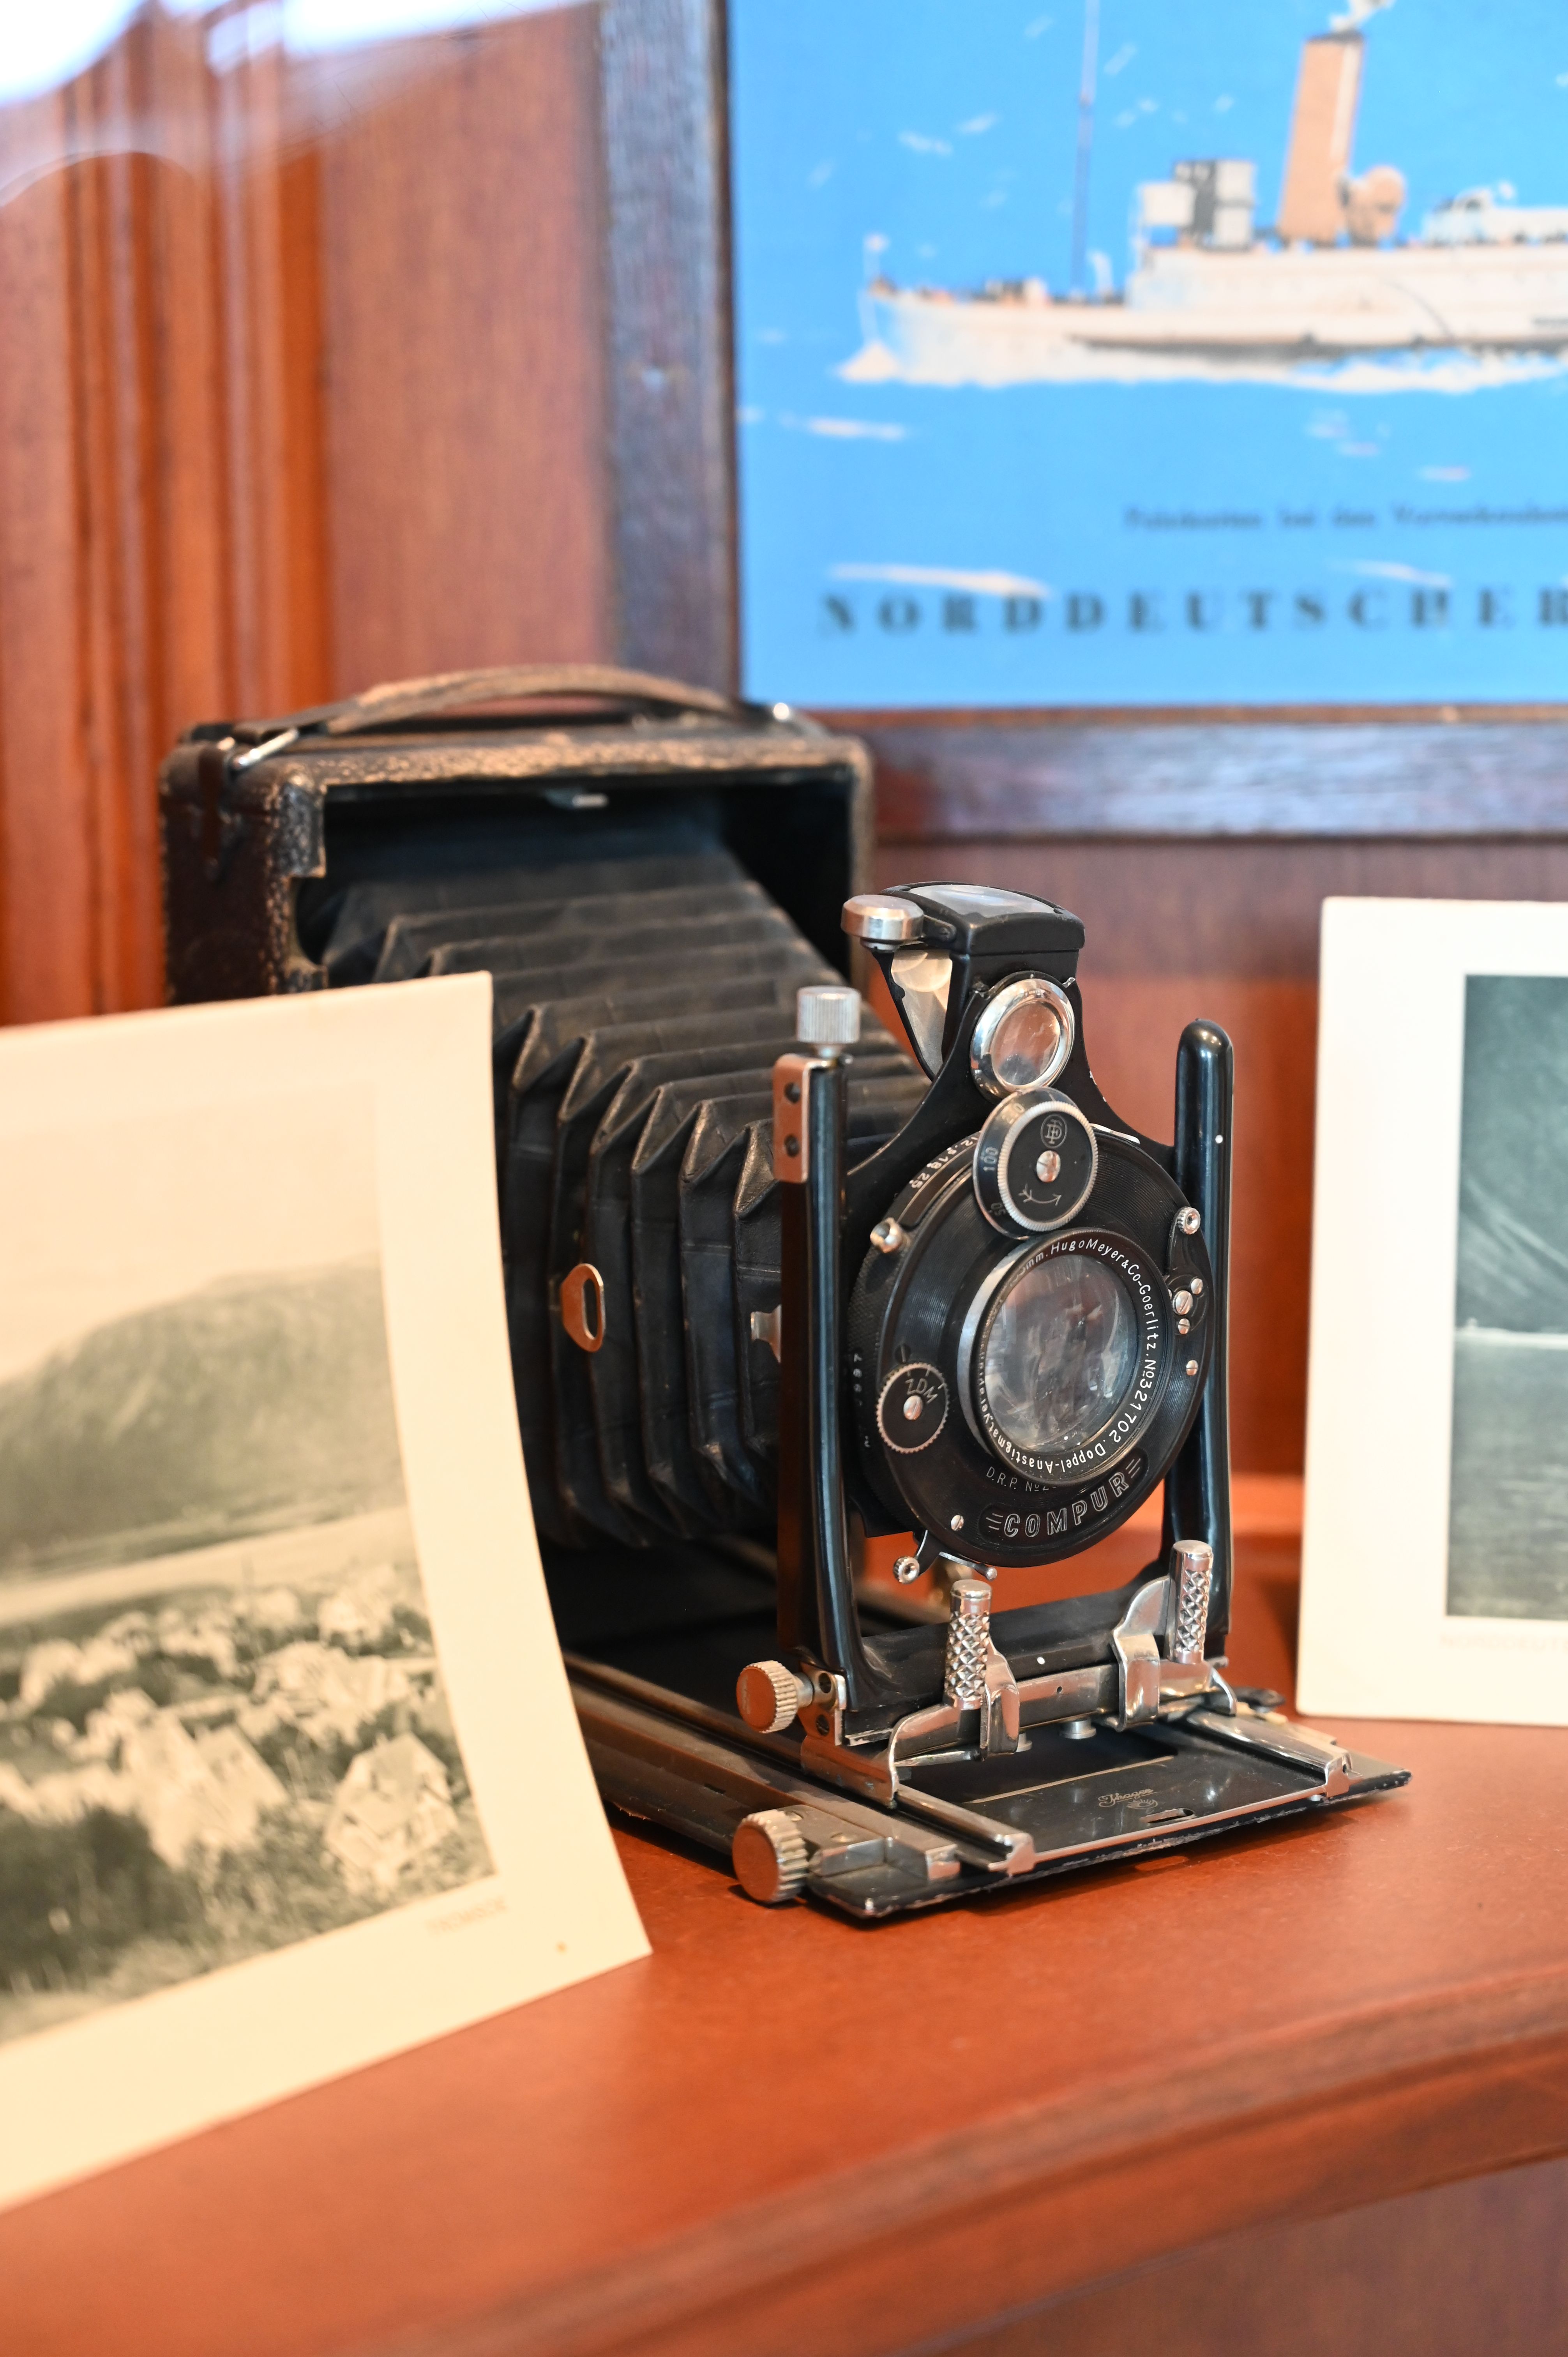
1035,1163
827,1015
770,1857
767,1696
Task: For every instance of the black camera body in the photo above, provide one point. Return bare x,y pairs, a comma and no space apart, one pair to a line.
1022,1326
1045,1222
776,1281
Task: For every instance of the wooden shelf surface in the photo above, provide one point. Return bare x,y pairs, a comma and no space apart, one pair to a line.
784,2130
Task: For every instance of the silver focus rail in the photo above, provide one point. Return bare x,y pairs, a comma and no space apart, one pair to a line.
799,1818
1158,1671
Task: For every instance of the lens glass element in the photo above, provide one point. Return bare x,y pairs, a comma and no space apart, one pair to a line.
1027,1044
1060,1354
1023,1036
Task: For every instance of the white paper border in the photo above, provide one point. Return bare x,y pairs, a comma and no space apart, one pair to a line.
1376,1638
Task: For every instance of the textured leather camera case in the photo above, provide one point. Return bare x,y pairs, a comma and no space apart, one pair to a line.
269,822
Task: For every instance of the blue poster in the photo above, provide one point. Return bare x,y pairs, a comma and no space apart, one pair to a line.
1105,352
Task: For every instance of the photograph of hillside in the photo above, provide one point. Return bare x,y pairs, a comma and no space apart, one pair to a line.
223,1726
120,1444
1508,1513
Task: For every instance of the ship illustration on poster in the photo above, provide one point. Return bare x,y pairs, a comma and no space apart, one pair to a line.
1330,291
1143,407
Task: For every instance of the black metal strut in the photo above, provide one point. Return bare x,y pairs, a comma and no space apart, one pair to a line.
1198,1487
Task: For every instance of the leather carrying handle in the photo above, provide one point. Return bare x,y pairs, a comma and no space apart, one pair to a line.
452,690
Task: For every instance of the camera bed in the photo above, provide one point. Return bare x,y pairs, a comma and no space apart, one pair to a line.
687,1764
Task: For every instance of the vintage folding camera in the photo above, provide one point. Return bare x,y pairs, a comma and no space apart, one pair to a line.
778,1280
1000,1330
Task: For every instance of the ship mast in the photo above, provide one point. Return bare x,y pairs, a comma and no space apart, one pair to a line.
1085,148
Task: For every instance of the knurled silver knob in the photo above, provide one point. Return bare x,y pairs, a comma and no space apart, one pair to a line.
827,1017
767,1696
969,1642
1192,1568
770,1857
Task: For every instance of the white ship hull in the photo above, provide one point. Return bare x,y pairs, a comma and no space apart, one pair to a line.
1189,310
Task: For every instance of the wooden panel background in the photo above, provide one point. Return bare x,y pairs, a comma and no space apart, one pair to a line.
302,385
1452,771
317,373
464,377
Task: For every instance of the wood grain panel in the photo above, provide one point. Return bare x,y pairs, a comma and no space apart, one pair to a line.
151,514
253,303
106,202
188,625
466,462
50,962
1032,774
307,547
301,386
1442,2273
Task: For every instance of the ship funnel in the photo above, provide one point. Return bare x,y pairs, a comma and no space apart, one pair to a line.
1322,131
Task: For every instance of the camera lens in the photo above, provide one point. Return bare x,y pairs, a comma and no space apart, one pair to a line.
1058,1355
1027,1044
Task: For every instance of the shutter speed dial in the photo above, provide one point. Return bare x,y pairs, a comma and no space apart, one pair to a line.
1035,1163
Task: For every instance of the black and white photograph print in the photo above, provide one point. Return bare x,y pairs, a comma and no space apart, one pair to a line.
1507,1528
223,1726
